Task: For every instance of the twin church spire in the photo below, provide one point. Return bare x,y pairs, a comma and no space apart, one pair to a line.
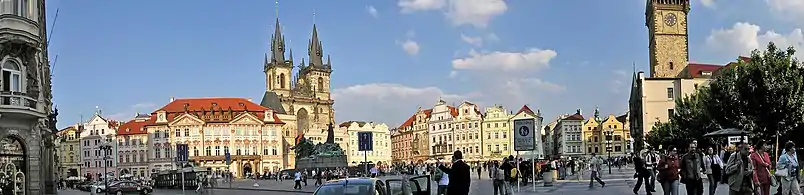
314,52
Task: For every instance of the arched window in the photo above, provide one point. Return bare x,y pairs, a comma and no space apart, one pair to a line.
209,151
12,74
195,151
320,84
282,81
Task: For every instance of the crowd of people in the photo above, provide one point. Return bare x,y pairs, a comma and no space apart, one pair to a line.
745,170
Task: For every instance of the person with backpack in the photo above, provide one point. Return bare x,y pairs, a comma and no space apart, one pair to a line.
506,166
498,177
594,166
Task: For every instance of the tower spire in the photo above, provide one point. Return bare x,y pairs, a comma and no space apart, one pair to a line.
314,50
277,8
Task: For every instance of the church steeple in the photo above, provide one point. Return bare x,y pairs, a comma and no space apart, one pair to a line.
315,51
278,45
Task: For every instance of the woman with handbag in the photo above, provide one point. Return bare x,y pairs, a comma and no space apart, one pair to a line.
761,161
786,168
668,167
713,166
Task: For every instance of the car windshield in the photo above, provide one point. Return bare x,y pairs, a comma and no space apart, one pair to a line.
351,189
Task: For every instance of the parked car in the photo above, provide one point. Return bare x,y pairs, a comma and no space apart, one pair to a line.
99,187
129,187
373,186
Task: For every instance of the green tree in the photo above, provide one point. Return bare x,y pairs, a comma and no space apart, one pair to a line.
662,134
691,118
764,95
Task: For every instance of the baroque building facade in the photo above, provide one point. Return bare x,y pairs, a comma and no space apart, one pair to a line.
302,99
27,117
441,130
599,134
132,145
567,134
467,131
211,127
381,137
69,152
495,133
417,125
99,132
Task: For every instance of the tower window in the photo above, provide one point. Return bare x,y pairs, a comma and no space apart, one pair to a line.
671,65
320,84
282,81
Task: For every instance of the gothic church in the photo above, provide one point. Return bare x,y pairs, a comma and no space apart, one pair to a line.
302,97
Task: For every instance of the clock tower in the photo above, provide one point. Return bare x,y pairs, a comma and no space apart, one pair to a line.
667,31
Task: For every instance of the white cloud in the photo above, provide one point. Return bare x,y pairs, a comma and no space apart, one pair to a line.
372,11
532,59
742,38
420,5
790,9
476,41
129,112
411,47
477,13
708,3
387,102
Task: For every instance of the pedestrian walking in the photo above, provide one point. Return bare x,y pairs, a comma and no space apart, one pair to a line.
691,170
668,167
458,174
760,159
787,168
594,166
297,180
713,165
642,174
740,172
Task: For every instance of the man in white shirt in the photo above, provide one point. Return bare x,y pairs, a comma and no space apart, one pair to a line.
297,179
651,158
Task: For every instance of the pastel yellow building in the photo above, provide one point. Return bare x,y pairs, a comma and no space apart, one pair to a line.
466,130
69,152
381,153
591,136
495,130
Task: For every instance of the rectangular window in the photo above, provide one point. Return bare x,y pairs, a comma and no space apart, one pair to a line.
670,93
670,113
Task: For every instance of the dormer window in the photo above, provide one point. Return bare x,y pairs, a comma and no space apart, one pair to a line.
214,104
128,130
706,73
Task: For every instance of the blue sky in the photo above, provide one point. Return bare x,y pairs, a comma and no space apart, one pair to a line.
389,57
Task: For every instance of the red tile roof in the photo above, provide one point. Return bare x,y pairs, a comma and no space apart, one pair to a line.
427,113
132,127
452,111
695,70
525,109
210,106
575,116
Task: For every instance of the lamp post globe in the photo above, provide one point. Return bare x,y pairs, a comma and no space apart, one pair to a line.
106,147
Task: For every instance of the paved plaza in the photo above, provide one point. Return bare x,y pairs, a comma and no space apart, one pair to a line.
619,182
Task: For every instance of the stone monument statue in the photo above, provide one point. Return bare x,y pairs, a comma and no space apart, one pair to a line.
330,134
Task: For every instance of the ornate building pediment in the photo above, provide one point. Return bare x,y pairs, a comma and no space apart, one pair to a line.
186,119
246,119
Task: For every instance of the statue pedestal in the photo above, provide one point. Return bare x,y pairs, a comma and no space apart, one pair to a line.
321,162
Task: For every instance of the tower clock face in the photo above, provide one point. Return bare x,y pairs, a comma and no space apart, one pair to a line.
670,19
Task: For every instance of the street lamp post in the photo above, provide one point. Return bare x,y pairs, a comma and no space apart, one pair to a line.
107,150
608,147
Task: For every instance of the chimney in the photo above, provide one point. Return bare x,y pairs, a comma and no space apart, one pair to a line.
172,99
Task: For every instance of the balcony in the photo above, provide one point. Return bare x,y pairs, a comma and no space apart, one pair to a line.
18,103
14,27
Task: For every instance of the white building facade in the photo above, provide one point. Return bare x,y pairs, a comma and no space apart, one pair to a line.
441,130
99,132
569,137
381,137
132,142
467,131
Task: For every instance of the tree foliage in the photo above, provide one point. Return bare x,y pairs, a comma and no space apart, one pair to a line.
762,95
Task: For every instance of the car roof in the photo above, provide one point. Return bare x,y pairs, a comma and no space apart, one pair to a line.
359,181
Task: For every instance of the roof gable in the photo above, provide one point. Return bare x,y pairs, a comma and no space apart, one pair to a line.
186,119
246,118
